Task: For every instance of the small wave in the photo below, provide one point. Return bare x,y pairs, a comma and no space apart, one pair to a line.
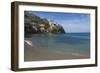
29,42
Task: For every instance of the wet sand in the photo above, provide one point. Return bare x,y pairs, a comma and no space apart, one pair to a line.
32,53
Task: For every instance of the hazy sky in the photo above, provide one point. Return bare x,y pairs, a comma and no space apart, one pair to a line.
71,22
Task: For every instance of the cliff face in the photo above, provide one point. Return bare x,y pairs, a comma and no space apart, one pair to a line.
35,24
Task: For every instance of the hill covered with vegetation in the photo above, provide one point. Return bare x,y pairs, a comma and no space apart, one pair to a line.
34,24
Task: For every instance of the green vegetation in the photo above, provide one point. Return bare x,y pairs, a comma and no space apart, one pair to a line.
35,24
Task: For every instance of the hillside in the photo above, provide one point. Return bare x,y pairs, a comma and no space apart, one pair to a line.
35,24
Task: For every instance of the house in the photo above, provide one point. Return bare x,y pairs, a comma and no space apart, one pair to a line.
42,27
52,24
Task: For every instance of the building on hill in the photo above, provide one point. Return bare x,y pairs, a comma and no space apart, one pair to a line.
42,27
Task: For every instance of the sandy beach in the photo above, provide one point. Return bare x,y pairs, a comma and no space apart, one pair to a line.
32,53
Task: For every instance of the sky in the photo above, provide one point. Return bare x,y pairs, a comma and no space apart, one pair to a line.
71,22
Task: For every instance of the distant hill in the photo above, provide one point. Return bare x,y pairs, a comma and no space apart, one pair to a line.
35,24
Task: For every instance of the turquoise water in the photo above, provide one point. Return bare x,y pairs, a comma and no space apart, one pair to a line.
69,42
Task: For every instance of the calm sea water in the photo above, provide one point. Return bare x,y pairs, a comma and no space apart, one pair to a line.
69,42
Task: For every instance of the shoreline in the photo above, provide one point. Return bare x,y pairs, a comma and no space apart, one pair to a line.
31,53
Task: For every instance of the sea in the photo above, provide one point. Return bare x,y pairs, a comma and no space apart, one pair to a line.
70,42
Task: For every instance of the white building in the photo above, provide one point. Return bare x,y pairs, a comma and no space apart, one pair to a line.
42,27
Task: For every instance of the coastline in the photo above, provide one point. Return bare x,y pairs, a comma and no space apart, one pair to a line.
32,53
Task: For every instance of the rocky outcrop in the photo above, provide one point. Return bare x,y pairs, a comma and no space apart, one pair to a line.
35,24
